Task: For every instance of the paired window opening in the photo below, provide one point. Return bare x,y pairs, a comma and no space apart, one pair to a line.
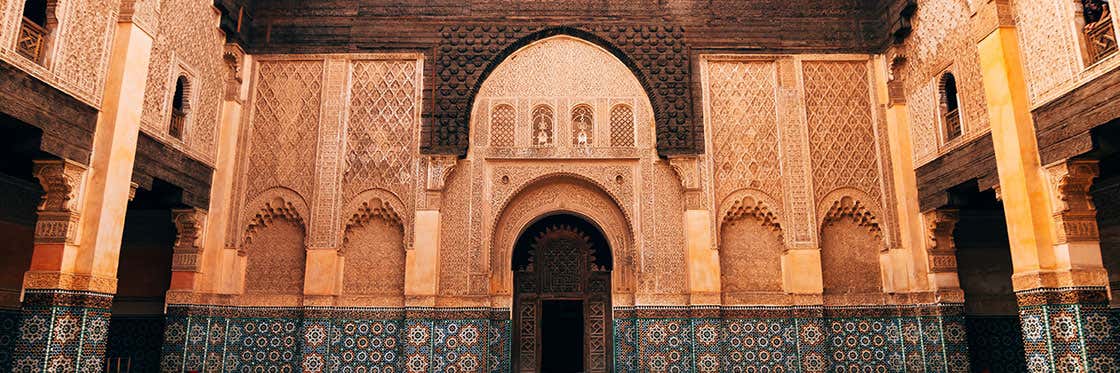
180,107
1098,31
35,29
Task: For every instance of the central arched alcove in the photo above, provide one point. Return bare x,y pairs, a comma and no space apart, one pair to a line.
562,304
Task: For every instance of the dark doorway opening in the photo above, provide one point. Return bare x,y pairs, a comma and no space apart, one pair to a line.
984,267
562,299
561,336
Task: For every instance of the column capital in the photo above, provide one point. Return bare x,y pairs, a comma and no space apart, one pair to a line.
1071,204
940,224
62,182
189,223
689,171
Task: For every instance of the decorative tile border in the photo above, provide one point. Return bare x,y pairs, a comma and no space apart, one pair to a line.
62,330
1069,330
919,338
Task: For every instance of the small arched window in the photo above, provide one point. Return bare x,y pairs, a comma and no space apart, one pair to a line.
622,125
542,125
1100,35
180,107
950,108
34,30
501,125
583,125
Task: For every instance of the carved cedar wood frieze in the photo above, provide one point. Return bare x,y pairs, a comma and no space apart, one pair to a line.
656,54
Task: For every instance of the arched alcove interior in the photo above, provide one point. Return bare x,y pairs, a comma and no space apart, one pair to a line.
522,249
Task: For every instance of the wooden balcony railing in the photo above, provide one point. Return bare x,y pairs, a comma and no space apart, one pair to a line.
178,122
1101,40
952,124
32,40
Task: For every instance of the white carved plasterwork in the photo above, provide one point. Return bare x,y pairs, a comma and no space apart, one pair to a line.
1046,37
942,41
843,139
77,49
324,210
555,75
617,180
555,193
283,130
187,42
742,119
796,165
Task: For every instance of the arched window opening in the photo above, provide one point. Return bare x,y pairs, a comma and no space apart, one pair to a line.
622,125
542,125
180,106
502,119
583,125
34,30
1100,37
950,108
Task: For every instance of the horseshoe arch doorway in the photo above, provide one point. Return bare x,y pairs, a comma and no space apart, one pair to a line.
562,297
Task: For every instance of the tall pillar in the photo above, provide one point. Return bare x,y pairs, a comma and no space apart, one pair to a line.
215,272
702,255
70,285
1058,276
421,274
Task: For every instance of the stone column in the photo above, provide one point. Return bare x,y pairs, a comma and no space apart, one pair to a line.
1058,276
703,257
892,96
215,262
70,285
421,275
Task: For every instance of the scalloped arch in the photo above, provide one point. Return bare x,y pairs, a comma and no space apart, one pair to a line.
751,203
274,203
848,202
377,203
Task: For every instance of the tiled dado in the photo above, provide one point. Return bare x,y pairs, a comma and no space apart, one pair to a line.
1069,330
924,338
61,331
328,339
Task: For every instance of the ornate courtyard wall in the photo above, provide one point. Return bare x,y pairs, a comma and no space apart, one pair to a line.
353,250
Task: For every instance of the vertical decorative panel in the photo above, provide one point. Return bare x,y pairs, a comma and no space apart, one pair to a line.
841,133
743,120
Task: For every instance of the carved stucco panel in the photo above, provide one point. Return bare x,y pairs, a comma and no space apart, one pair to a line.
842,136
188,41
81,52
1047,43
942,42
567,193
924,132
743,126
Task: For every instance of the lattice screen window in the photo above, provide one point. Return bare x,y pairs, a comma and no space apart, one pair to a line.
501,125
1098,30
35,29
180,107
952,127
543,121
583,125
622,125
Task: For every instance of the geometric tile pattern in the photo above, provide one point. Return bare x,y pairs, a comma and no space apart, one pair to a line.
922,338
9,327
1069,330
791,339
62,331
335,339
996,342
